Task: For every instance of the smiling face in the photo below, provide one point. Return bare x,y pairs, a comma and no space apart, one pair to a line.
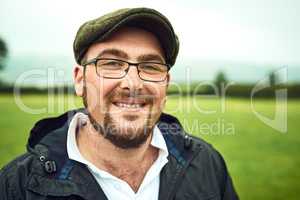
126,109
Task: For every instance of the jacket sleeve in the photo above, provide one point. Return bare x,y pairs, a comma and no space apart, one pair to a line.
9,183
226,184
229,192
4,188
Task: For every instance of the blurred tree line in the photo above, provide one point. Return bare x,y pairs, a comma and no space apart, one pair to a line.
213,88
3,53
3,56
220,86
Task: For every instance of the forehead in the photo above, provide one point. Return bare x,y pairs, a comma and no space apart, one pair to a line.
133,41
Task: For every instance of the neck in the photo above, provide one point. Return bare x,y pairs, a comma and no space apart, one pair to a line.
122,163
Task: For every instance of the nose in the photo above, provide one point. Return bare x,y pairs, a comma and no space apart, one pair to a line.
132,81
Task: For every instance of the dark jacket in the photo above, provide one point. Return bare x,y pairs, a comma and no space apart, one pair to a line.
195,170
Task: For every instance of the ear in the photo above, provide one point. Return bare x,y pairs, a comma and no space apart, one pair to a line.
78,73
168,80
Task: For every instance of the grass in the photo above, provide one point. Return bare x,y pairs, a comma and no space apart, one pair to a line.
263,162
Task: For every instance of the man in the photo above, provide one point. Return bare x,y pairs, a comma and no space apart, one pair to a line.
121,146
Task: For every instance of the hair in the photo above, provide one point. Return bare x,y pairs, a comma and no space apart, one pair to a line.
83,60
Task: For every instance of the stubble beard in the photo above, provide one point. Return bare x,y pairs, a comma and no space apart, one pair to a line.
125,138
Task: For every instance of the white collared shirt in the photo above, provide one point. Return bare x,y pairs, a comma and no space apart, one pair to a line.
113,187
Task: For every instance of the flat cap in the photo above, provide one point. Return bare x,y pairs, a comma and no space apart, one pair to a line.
97,30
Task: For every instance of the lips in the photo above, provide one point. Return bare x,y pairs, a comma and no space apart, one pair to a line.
125,105
130,103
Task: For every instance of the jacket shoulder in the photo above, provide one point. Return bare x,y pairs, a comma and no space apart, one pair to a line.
209,154
204,145
210,162
187,143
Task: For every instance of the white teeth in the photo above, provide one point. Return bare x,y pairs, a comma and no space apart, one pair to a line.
124,105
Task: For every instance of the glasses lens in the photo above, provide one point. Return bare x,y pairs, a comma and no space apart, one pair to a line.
111,68
153,71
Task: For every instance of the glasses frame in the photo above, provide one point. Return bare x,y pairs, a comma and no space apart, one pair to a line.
95,60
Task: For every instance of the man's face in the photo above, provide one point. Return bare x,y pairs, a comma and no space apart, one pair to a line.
126,108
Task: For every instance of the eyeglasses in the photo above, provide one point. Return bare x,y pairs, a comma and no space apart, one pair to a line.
116,69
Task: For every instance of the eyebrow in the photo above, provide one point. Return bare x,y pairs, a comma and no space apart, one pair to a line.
114,52
150,57
124,55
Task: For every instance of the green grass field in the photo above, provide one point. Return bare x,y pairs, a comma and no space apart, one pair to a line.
263,162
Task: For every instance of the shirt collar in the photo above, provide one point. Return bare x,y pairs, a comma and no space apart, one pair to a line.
157,140
72,148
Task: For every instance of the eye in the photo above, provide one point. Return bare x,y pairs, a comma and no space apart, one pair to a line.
111,64
153,68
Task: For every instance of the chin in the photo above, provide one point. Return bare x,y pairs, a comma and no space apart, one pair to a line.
127,134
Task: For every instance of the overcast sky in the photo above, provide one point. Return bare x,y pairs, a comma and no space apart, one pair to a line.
236,30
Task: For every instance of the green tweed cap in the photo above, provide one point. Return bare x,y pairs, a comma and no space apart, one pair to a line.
97,30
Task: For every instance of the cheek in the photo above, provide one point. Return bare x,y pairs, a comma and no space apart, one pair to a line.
161,101
106,86
159,93
97,91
